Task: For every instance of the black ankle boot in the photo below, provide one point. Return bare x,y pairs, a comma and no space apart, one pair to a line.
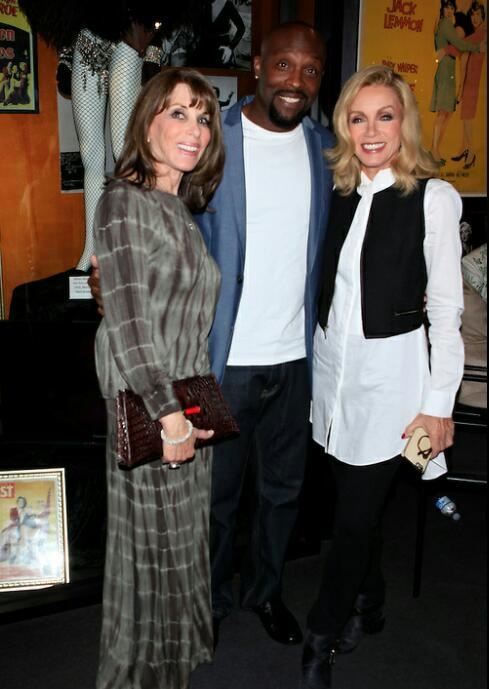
317,661
364,620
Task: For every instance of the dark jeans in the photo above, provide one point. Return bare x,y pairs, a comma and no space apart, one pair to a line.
271,405
353,562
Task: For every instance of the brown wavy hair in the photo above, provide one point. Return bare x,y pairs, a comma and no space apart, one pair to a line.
137,163
412,161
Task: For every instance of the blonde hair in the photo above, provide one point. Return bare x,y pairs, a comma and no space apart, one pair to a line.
412,161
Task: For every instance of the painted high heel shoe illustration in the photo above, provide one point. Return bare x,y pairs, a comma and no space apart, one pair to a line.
470,164
438,161
463,155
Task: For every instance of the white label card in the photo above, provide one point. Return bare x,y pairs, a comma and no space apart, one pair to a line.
79,288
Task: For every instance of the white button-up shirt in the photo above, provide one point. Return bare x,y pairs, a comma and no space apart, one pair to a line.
366,391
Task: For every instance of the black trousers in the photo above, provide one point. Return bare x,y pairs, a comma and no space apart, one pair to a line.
353,562
271,405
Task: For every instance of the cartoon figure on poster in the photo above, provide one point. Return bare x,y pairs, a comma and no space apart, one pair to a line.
450,34
24,537
471,65
7,76
104,52
14,84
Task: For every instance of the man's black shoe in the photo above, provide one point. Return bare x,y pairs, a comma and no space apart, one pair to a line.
279,622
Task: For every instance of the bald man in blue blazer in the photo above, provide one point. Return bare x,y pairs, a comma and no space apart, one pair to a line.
265,228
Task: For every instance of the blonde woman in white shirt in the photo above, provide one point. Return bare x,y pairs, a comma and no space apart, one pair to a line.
392,259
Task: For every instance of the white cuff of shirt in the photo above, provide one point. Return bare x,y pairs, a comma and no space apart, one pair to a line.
439,403
436,468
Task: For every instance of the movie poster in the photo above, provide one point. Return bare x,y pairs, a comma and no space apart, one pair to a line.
18,73
436,49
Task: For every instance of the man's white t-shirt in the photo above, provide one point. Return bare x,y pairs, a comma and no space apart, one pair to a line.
270,327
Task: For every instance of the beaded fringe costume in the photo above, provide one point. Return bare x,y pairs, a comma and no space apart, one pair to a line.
106,73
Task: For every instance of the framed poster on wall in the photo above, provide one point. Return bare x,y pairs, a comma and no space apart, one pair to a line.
33,534
18,61
225,36
219,37
434,45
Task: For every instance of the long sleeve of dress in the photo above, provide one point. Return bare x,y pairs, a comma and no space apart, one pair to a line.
125,238
442,248
159,286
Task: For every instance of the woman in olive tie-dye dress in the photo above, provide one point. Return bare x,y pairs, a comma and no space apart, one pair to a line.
159,287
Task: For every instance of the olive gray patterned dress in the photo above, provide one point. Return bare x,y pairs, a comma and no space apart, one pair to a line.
159,288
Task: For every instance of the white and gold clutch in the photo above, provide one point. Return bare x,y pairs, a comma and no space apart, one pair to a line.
418,449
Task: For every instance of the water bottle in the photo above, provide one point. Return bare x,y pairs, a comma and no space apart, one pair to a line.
447,507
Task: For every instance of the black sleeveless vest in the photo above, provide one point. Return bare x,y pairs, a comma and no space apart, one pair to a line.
392,267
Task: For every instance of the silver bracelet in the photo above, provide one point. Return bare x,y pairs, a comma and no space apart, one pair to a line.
178,441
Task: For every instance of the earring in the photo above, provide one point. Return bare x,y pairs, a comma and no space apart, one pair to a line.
256,76
148,140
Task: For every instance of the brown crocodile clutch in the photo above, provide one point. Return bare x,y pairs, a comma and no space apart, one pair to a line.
139,436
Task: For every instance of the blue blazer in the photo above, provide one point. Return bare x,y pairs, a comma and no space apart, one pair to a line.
223,226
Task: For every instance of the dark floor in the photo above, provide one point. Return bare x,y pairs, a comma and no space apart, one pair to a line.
436,641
